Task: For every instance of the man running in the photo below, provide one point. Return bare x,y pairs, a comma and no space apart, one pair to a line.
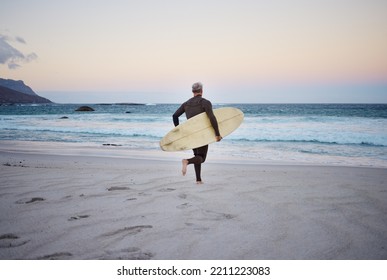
192,107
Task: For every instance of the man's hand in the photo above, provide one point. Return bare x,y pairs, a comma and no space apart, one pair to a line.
218,138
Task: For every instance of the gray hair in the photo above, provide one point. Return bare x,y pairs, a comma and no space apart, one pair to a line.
197,87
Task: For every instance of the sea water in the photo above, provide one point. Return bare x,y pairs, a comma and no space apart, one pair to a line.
345,134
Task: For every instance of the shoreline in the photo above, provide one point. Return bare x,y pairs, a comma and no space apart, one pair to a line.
87,206
112,151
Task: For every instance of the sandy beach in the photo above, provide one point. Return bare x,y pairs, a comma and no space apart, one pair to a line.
56,204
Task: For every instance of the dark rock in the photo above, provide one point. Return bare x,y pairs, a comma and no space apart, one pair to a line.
84,109
114,145
64,117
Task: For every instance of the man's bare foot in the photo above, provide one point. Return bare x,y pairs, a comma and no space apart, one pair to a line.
184,168
199,182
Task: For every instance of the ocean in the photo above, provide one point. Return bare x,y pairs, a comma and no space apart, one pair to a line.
326,134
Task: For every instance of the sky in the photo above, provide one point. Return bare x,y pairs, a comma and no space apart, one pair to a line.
243,51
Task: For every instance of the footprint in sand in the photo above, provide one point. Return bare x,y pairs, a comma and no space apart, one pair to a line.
127,231
131,253
11,240
216,216
197,227
144,194
78,217
118,189
182,196
184,206
56,256
29,200
167,190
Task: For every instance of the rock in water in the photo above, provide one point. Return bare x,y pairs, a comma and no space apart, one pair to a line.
84,109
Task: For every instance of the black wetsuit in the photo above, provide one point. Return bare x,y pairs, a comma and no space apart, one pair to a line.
193,107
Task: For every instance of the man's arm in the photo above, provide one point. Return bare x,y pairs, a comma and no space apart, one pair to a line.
177,114
208,108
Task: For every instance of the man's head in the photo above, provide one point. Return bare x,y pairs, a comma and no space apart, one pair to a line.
197,88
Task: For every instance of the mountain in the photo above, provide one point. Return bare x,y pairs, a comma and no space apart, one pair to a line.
10,95
17,86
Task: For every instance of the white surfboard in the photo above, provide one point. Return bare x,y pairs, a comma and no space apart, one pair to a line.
198,131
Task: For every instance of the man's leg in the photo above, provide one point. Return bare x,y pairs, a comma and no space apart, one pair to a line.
200,155
185,164
198,168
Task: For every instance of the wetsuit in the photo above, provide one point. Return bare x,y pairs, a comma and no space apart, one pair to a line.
191,108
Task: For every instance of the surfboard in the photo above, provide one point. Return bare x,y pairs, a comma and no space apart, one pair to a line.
198,131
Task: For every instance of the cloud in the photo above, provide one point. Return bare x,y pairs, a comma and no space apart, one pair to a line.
10,55
13,66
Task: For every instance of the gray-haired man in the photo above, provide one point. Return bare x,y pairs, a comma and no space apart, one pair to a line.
192,107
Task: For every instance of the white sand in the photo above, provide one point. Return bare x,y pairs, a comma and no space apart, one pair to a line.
89,207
